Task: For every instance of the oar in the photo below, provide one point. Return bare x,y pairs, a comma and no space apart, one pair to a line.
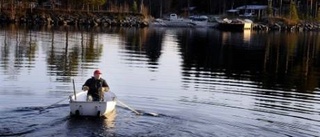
135,111
44,108
75,97
74,90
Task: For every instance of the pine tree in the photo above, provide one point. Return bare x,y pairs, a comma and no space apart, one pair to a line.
135,7
270,11
293,14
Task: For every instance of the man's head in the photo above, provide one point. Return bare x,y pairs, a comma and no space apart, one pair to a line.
97,74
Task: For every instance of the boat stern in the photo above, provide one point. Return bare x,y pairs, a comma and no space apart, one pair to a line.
81,108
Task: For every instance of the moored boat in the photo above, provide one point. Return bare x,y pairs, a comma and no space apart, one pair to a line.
175,21
79,105
234,25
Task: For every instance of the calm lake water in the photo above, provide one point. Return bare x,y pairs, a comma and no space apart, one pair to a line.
201,82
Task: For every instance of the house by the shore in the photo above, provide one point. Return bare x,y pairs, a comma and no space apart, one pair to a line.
250,11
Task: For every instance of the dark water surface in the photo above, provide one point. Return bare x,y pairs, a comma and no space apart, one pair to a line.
201,82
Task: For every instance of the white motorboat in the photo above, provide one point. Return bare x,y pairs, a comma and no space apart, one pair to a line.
175,21
199,21
79,105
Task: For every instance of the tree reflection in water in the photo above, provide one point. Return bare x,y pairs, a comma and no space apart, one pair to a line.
274,60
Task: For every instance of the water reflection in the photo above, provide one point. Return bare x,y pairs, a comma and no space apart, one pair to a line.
271,60
291,61
65,49
143,43
18,49
278,71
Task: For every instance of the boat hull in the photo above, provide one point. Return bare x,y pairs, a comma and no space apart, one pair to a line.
231,26
234,26
80,107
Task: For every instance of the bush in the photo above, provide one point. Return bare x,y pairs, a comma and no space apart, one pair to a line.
282,20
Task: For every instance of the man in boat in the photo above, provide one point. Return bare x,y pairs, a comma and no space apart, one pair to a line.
96,86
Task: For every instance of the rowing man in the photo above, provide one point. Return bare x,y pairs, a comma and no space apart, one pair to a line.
96,86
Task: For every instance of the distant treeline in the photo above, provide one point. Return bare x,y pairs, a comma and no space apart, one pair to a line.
307,8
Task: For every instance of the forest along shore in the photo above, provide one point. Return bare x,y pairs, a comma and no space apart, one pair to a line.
84,18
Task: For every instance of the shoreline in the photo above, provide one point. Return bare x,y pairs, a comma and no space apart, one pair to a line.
83,18
78,18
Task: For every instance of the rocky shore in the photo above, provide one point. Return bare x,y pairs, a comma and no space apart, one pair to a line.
59,18
285,24
303,26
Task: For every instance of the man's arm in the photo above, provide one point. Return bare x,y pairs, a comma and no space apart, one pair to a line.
105,86
85,87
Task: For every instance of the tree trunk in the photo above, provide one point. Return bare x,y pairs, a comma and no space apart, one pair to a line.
188,8
68,7
317,10
12,11
160,8
280,11
311,8
53,4
150,9
270,8
141,6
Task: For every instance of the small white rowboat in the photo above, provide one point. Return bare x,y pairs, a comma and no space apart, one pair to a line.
79,106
